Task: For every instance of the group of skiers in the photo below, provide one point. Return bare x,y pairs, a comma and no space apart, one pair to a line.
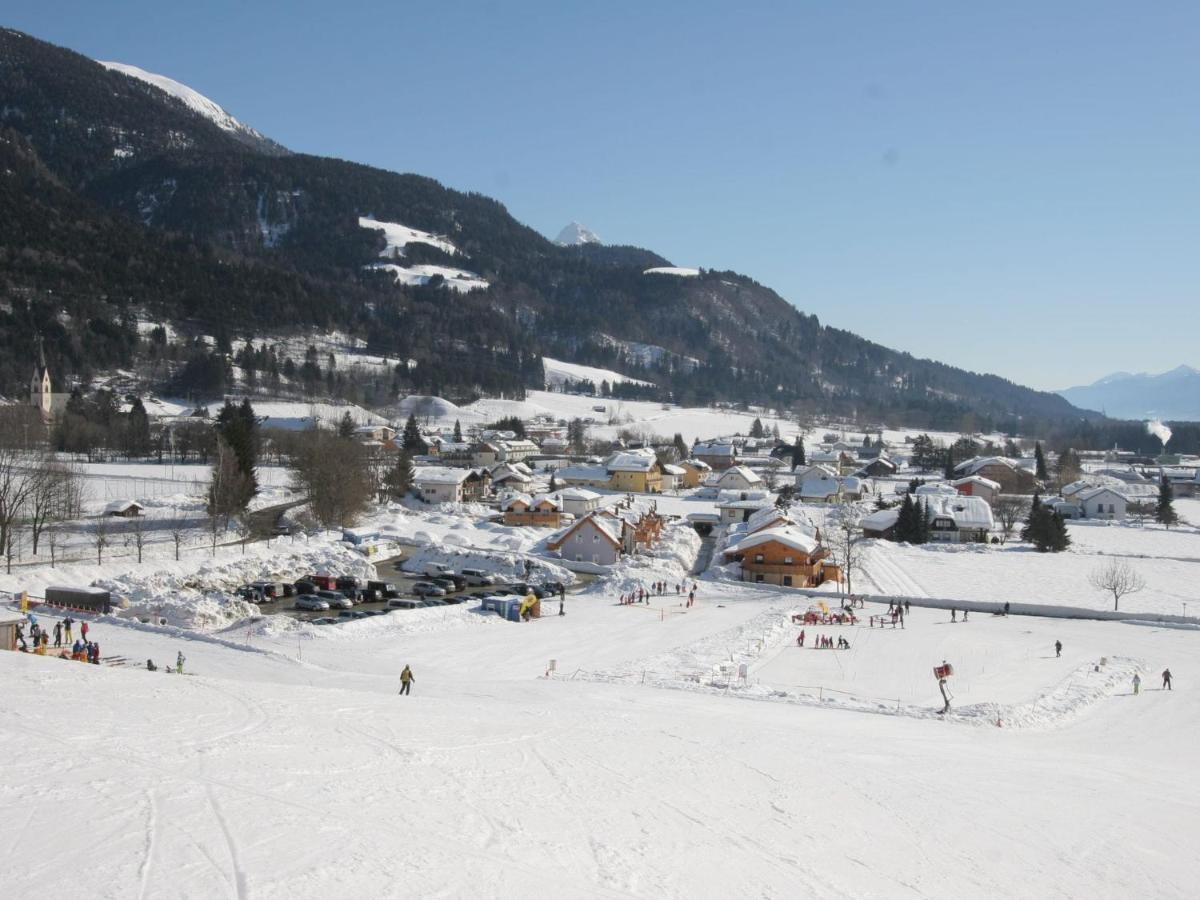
178,669
80,649
824,642
1166,681
659,589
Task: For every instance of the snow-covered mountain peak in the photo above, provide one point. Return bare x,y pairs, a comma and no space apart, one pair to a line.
193,99
575,234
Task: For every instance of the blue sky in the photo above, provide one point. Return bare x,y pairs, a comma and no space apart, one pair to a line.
1011,187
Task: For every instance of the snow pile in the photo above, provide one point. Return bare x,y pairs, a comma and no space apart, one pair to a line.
400,236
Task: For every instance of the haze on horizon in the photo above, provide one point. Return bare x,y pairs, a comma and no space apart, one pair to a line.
1011,190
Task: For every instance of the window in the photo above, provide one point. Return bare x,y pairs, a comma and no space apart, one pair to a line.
787,560
787,580
595,537
758,579
758,557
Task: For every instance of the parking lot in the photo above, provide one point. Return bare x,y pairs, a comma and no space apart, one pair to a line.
388,570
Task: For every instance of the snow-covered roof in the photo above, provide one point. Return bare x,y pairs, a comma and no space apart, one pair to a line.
880,520
440,475
765,516
1093,492
608,526
697,464
936,489
632,461
118,506
583,473
733,472
818,486
670,469
788,535
714,450
975,463
579,494
979,480
742,504
966,512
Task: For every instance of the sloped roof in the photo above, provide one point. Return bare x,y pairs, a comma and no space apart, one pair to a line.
1094,492
440,475
967,512
631,461
788,535
880,520
608,527
977,479
749,475
578,494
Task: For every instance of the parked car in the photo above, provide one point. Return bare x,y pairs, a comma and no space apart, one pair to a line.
336,599
447,584
311,603
433,568
369,595
460,581
433,601
385,588
323,582
478,578
250,594
454,599
428,589
346,582
271,589
325,620
404,603
304,586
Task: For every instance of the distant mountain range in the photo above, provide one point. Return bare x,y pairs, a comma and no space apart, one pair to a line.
1173,395
128,199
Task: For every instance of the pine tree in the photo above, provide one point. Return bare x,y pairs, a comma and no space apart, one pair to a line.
866,440
346,426
238,429
905,522
922,527
1027,530
681,447
949,473
1039,459
1164,512
458,438
756,430
412,441
553,483
399,481
798,458
139,429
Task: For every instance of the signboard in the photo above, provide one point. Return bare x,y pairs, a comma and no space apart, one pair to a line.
943,671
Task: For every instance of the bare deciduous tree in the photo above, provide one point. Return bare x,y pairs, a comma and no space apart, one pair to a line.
333,473
178,526
843,534
1009,509
56,495
101,537
135,534
17,482
1117,578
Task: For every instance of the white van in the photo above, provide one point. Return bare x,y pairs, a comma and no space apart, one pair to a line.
477,577
432,569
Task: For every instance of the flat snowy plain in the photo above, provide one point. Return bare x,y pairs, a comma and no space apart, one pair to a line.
287,766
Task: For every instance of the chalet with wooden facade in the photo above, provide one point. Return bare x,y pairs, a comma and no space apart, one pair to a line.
785,555
543,511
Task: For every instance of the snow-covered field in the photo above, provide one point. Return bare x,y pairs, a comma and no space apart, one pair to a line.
558,372
1168,561
285,764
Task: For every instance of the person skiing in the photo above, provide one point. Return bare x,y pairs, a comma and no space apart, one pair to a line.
954,615
67,623
1166,679
83,630
179,660
406,680
907,606
1006,607
58,634
966,612
150,666
800,639
1058,648
1137,684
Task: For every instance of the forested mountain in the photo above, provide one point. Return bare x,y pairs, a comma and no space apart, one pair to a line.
121,200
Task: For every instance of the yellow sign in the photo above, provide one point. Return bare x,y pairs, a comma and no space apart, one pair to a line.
24,601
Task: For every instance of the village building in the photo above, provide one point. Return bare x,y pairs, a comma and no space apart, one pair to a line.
717,456
584,476
42,396
880,467
9,622
958,520
1102,503
635,471
374,433
880,524
124,509
594,539
977,486
816,484
673,477
740,510
1010,474
695,472
512,477
543,511
444,484
579,501
735,478
786,555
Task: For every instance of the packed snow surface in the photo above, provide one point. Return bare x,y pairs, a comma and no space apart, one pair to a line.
285,765
193,99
